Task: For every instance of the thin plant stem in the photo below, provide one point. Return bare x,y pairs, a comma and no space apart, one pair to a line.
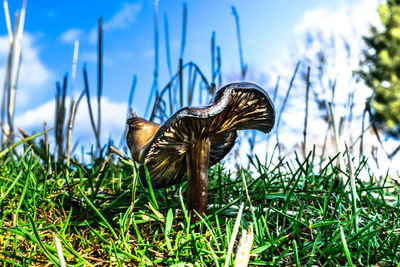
99,78
243,67
184,24
154,87
306,113
284,104
167,49
338,144
87,92
8,20
7,83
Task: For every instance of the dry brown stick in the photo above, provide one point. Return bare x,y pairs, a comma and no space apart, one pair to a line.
116,151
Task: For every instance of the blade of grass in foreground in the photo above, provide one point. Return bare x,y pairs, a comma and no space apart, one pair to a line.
345,248
98,214
40,243
5,151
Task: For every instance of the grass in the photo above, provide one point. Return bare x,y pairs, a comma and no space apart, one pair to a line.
54,209
300,216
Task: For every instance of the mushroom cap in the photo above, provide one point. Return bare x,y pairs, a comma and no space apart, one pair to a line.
236,106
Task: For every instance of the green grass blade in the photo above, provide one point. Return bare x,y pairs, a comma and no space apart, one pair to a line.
5,151
345,248
98,214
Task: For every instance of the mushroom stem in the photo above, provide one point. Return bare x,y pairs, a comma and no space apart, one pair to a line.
197,159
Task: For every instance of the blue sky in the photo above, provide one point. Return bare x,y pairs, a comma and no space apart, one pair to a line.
266,27
274,35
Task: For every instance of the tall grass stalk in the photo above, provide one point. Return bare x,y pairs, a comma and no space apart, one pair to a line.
16,65
283,106
304,145
154,87
99,79
338,145
5,133
243,66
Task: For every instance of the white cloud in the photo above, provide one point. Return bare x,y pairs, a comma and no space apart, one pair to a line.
338,33
91,56
71,35
112,121
34,75
122,19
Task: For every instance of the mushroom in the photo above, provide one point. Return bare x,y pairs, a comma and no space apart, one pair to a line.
195,138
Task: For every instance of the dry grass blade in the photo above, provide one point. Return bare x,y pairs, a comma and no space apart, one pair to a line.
16,66
7,84
8,20
234,234
245,245
60,254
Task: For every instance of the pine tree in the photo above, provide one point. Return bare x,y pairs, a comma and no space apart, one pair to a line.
380,68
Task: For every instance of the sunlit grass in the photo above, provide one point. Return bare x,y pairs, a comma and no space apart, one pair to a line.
301,213
300,216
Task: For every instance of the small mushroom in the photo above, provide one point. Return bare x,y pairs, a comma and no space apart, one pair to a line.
195,138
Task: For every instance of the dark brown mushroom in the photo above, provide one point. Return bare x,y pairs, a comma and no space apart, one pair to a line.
195,138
